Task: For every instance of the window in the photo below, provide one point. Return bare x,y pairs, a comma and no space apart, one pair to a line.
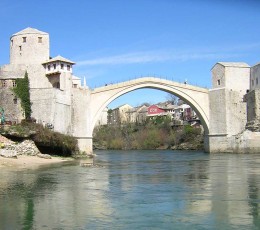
15,100
49,67
20,48
14,83
256,80
218,82
39,39
68,67
4,83
12,42
54,66
24,39
61,66
252,82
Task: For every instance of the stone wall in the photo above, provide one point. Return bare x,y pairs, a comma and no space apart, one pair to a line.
42,105
255,77
11,105
236,112
253,110
81,119
227,109
245,142
217,108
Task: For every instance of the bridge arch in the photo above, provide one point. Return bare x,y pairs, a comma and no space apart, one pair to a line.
196,97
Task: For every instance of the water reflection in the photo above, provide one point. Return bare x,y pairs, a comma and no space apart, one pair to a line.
136,190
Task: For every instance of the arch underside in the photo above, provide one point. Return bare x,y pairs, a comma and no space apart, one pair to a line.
192,97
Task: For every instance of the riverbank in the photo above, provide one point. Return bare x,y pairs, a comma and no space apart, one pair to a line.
25,155
30,162
148,136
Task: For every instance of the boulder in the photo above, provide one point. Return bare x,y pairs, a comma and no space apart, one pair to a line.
8,153
45,156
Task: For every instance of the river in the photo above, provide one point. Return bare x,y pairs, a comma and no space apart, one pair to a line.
136,190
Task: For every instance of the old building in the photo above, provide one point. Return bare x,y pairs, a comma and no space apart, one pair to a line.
228,117
51,80
120,115
161,109
138,114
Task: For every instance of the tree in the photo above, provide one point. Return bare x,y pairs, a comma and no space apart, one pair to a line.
22,91
146,104
172,98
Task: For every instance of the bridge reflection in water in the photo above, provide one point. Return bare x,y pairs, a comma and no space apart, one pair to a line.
136,190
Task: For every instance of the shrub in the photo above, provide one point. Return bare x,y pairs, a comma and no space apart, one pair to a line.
116,144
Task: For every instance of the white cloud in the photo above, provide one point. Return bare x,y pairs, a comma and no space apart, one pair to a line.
151,57
128,58
206,53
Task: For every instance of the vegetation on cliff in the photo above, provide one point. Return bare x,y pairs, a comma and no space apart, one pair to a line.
45,139
152,135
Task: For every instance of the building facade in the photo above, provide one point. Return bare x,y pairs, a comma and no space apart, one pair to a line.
228,117
120,115
51,81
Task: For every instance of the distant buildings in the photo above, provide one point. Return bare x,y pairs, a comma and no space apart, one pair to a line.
179,114
119,115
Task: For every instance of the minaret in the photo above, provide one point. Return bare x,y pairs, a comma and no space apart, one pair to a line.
29,46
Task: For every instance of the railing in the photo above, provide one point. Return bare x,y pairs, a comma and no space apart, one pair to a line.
116,83
147,79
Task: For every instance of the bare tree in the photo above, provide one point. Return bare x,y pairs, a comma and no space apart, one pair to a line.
172,98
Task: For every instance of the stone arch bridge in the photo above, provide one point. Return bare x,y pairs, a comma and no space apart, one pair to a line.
99,98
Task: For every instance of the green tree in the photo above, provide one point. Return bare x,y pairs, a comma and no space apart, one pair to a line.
22,91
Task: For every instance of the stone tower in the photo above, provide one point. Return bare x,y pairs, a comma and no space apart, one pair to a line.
230,82
29,46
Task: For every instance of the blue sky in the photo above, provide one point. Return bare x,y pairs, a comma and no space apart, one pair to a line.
113,41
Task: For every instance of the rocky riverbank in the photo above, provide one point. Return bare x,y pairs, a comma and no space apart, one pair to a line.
24,154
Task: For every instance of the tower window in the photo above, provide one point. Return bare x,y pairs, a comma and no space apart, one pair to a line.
24,39
20,48
61,66
4,83
218,82
14,83
54,66
256,80
252,82
68,67
49,67
39,39
12,42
